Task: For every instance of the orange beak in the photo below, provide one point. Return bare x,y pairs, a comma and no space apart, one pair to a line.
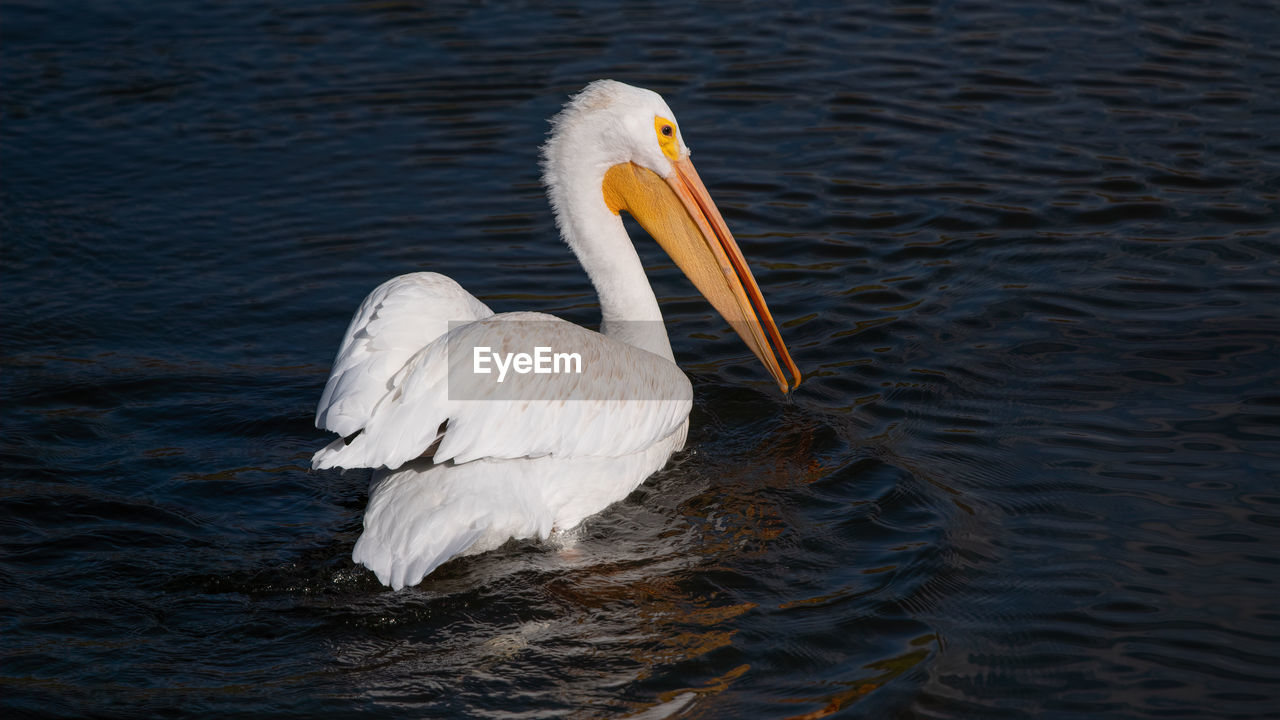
678,212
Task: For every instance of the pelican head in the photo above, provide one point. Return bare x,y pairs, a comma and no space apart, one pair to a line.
618,148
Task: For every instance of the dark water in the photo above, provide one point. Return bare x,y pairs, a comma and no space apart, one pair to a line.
1027,253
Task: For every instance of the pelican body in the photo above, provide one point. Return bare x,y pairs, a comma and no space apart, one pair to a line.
463,464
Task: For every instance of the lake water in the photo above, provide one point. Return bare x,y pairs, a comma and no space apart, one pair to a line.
1026,253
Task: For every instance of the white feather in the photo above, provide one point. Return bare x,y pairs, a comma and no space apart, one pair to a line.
624,400
424,514
393,323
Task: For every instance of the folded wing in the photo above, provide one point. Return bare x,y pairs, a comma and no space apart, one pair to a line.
621,401
398,319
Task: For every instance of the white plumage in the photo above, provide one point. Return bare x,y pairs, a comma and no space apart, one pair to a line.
625,400
397,320
462,467
423,514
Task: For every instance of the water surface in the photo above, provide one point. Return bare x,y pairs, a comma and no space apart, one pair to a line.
1026,253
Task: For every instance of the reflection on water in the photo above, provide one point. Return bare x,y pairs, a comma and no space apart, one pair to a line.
1025,255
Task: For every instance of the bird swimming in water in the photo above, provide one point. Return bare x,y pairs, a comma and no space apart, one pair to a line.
464,463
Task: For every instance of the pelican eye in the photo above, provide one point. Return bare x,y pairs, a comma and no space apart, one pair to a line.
666,131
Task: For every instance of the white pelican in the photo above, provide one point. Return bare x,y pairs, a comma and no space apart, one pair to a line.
460,473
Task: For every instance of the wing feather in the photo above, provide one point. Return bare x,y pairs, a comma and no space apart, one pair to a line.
624,400
396,320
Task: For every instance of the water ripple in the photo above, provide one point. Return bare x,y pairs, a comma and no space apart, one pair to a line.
1024,253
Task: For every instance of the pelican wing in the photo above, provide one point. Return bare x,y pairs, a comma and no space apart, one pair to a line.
399,318
624,400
